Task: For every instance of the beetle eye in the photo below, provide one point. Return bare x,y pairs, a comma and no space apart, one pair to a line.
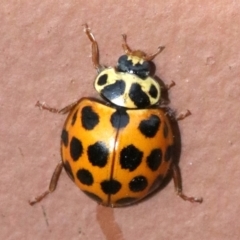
125,65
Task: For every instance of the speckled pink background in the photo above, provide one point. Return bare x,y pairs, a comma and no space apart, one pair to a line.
44,55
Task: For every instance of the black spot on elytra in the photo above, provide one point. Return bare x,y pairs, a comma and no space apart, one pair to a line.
111,186
126,201
138,96
168,153
154,159
64,137
93,196
153,91
165,130
138,184
68,169
102,80
150,126
130,157
74,118
98,154
119,119
114,90
76,149
85,177
89,118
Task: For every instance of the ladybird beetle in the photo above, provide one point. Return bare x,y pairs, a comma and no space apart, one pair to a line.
120,150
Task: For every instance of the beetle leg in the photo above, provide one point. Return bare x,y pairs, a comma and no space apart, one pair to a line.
178,186
52,185
125,46
55,110
152,56
95,52
170,85
181,116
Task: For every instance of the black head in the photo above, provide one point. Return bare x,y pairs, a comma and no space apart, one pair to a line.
134,65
